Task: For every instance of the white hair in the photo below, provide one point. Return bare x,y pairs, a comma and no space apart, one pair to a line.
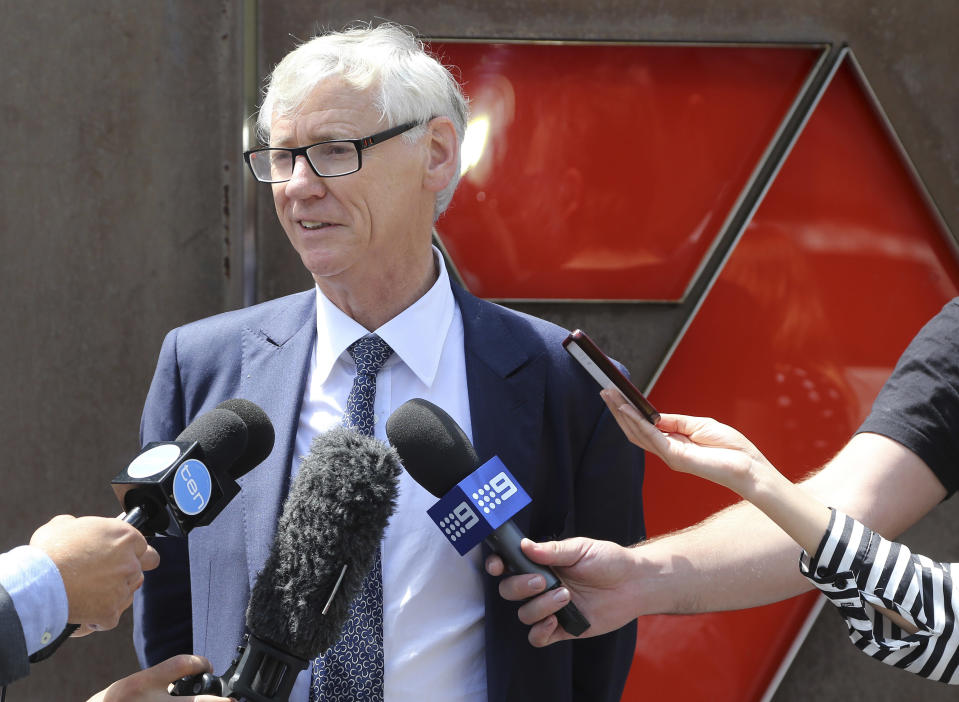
409,84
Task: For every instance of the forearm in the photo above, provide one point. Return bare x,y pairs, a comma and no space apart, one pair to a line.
739,558
797,513
735,559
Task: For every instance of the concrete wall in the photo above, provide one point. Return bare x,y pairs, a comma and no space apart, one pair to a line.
121,217
120,154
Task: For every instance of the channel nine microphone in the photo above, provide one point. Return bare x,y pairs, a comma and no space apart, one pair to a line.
173,486
326,540
477,498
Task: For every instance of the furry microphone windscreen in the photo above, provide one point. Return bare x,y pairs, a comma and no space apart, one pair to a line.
335,515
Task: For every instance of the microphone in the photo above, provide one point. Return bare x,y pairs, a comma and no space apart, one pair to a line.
259,431
326,540
173,486
438,455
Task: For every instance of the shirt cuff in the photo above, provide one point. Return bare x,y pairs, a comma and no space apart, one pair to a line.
842,569
34,584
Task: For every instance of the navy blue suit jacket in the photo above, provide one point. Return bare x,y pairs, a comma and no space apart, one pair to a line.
530,404
13,647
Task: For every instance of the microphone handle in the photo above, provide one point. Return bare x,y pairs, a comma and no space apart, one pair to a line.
505,542
199,684
137,517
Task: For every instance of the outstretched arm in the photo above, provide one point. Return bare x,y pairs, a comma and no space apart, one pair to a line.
719,453
710,566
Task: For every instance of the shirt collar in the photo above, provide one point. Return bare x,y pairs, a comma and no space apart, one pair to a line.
404,333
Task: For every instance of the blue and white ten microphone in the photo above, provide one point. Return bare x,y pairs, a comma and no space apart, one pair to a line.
477,499
173,486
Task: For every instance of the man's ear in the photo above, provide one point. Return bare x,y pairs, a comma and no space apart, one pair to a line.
442,152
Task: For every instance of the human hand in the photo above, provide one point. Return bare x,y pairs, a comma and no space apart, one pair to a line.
151,685
101,562
598,575
695,445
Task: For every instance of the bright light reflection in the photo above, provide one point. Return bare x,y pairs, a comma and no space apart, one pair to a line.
474,142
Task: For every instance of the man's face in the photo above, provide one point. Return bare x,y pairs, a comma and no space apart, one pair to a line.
359,229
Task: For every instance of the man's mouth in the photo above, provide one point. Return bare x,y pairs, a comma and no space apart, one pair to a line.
306,224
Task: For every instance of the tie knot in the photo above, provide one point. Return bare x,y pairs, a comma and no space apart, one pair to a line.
370,353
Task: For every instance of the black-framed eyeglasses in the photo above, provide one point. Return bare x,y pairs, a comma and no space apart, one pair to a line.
327,159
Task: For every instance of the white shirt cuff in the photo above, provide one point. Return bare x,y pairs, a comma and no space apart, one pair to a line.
34,584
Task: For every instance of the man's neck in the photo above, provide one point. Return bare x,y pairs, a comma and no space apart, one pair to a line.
376,302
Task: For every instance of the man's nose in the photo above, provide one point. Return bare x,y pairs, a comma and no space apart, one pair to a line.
304,182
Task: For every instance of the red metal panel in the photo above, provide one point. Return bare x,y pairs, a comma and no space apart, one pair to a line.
607,170
841,265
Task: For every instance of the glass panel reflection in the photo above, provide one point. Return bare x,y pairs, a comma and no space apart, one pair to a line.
605,171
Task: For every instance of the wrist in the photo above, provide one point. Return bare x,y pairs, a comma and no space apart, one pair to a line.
651,586
801,516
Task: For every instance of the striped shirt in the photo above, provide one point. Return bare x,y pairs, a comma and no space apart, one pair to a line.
859,570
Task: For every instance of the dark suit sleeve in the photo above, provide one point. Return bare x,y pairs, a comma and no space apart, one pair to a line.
608,505
162,623
13,647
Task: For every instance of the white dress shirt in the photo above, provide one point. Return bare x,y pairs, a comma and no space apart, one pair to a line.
36,588
434,644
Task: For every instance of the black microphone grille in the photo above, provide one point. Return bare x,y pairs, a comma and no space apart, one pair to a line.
222,437
434,449
335,515
260,434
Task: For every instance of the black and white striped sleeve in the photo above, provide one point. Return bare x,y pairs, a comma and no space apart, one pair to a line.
859,570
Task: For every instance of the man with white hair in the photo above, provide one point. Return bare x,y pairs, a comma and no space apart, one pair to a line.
363,131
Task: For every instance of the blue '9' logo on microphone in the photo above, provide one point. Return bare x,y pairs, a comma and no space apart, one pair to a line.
459,521
192,487
499,489
478,504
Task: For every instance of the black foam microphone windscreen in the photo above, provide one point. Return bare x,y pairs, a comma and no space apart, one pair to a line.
222,436
335,515
260,435
435,450
156,494
163,491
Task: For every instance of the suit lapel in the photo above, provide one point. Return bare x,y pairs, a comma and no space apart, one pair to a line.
506,382
275,367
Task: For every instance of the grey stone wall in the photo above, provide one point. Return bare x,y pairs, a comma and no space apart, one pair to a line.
120,146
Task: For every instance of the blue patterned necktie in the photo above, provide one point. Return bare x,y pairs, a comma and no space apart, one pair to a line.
352,669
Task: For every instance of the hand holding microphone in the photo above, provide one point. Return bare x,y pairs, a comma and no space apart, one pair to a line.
438,455
101,562
151,684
